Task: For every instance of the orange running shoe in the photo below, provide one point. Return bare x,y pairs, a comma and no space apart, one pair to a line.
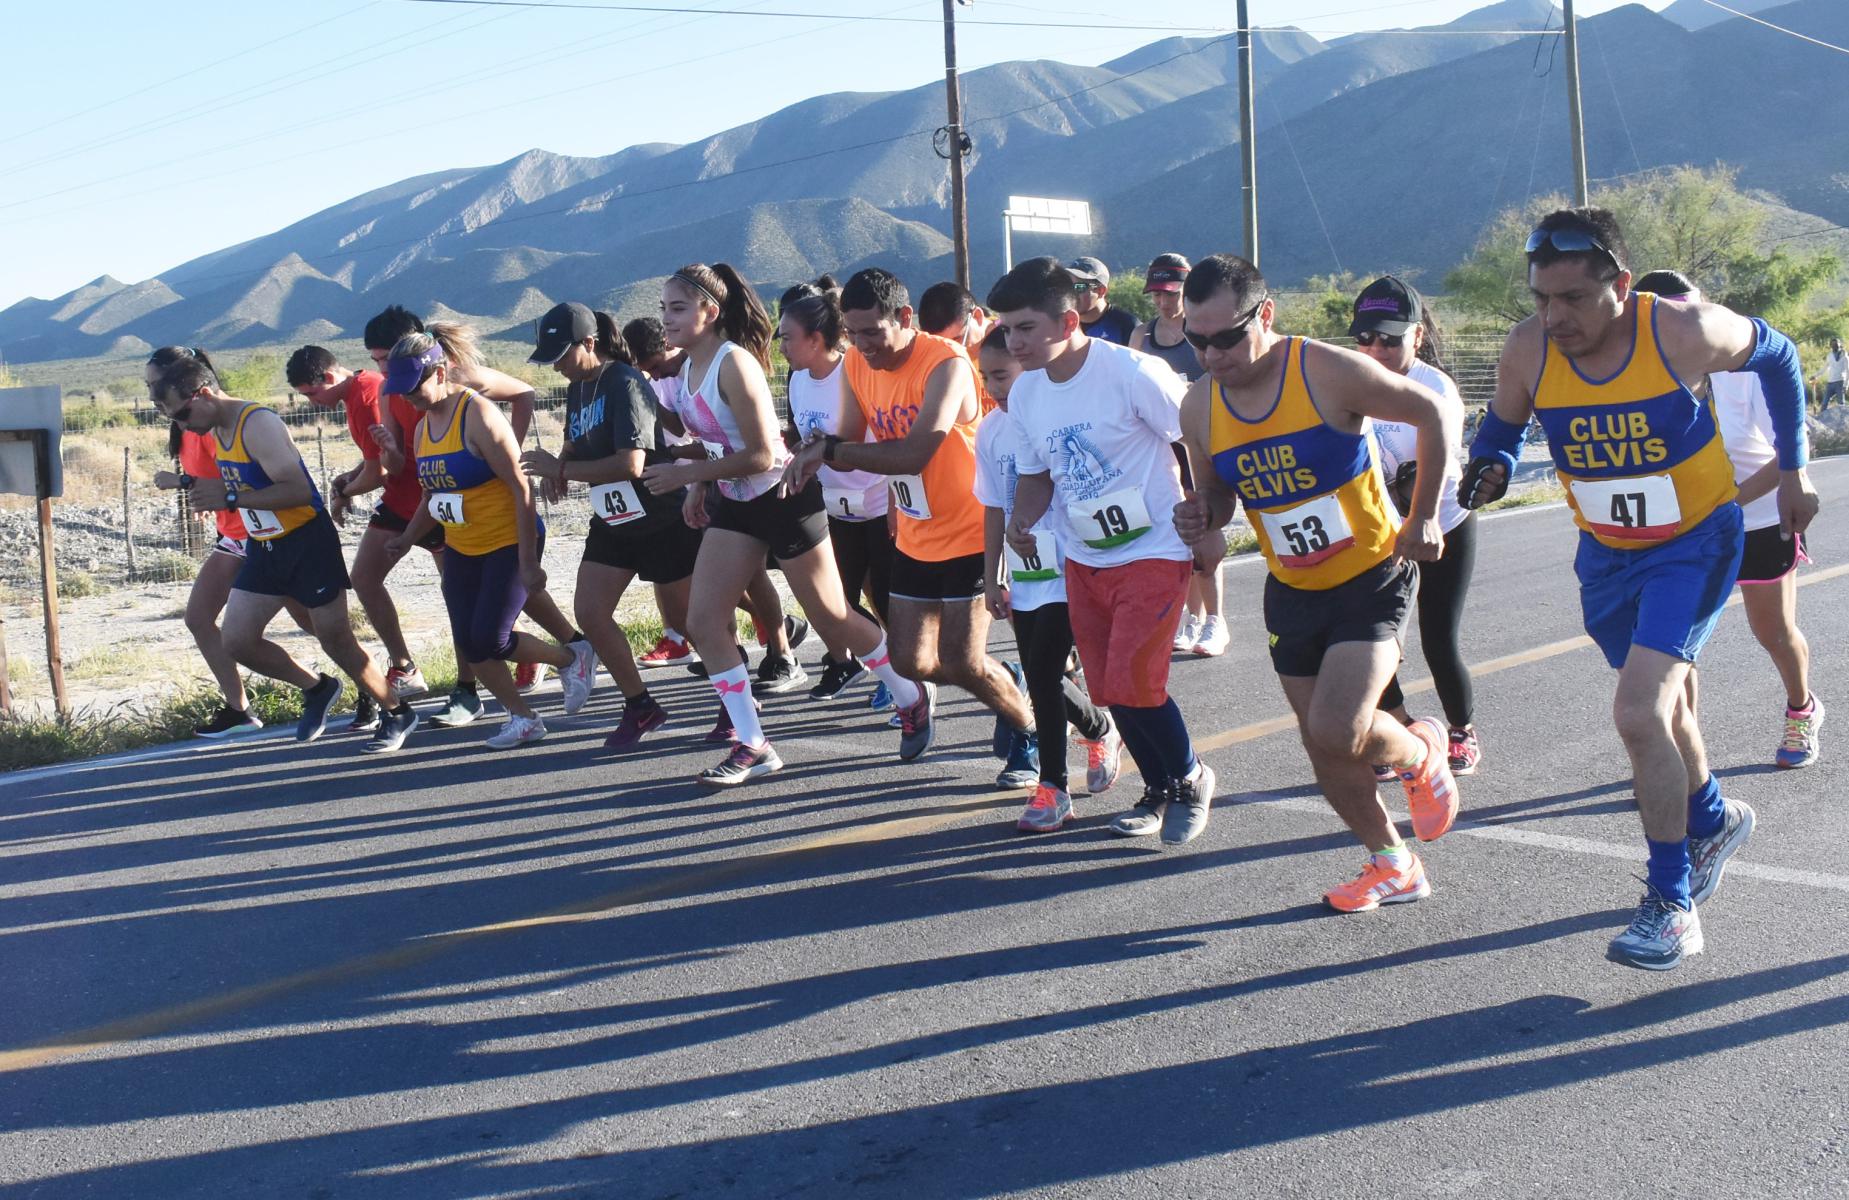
1431,791
1380,883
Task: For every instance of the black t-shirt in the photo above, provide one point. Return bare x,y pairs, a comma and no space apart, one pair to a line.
1113,325
618,411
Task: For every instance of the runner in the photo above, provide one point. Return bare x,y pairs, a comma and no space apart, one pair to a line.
1030,593
715,317
810,330
916,392
1393,326
1650,486
950,311
382,333
295,555
1280,425
1768,567
1098,317
469,465
611,432
317,374
1203,630
1097,423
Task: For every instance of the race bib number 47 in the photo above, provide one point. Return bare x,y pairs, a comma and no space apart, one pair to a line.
1110,521
1305,534
1643,509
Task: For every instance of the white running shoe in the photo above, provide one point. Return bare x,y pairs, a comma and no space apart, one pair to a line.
518,731
1213,638
1188,634
580,677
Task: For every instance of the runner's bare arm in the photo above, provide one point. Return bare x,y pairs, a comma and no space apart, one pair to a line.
267,439
1033,495
1497,446
994,580
949,396
851,424
1211,505
491,437
503,388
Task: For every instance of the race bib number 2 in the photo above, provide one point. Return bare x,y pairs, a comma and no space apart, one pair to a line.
1643,509
616,503
847,503
1110,521
1305,534
908,493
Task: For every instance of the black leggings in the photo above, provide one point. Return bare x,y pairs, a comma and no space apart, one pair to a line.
1442,588
1044,638
863,556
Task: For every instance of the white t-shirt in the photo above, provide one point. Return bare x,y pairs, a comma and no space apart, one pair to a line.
1835,367
998,450
815,407
1746,430
1397,443
1106,437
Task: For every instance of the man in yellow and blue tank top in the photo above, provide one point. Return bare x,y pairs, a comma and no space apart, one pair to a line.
1280,425
293,552
1603,368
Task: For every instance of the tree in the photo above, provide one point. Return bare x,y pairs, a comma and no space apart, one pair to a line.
1324,309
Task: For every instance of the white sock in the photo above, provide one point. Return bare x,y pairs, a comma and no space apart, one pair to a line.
734,688
673,635
905,693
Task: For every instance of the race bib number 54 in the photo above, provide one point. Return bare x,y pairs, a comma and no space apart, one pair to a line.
446,507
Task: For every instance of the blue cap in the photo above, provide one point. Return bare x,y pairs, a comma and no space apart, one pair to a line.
402,375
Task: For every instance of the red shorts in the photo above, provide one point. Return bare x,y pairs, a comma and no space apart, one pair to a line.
1124,621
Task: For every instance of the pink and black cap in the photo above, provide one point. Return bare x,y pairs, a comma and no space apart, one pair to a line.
1386,306
403,375
1167,272
559,329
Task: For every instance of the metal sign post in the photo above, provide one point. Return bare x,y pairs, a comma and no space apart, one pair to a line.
1038,214
30,466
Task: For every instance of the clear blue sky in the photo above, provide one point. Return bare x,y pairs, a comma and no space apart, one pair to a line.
141,135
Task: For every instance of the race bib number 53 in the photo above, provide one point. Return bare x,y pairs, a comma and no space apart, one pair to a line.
1110,521
1305,534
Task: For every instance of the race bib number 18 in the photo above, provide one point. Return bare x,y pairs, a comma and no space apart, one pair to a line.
616,503
1643,509
908,492
1305,534
1110,521
1041,567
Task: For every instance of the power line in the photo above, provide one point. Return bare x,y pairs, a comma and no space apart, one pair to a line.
1803,37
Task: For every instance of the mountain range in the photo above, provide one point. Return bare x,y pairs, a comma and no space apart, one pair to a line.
1377,151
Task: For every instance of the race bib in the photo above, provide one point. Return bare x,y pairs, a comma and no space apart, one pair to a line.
848,503
616,503
908,492
446,507
1643,509
261,523
713,449
1041,566
1111,520
1305,534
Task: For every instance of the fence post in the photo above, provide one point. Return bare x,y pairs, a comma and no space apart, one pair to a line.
128,517
321,453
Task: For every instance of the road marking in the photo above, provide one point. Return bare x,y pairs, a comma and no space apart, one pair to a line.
430,946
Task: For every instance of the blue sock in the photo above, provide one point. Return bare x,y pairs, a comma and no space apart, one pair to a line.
1706,812
1668,870
1164,732
1136,741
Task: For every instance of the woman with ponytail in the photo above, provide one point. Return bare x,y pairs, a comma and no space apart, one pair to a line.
738,495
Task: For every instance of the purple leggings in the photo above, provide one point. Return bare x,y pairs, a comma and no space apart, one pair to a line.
484,596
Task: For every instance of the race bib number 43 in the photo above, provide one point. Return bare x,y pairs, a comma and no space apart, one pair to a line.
1305,534
446,507
1643,509
616,503
1041,566
908,493
1110,521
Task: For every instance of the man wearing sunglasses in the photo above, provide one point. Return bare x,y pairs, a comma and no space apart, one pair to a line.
1281,425
1652,490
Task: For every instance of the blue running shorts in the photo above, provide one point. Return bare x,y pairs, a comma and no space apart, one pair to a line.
1667,598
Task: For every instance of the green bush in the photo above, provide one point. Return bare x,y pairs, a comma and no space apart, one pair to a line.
75,585
83,418
161,566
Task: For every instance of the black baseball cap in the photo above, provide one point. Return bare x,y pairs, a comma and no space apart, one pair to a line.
558,329
1386,306
1089,270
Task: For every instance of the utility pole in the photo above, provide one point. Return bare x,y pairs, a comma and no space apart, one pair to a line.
1576,116
954,144
1248,138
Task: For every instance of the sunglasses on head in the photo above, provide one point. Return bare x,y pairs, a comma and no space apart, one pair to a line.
1226,338
1571,240
1392,341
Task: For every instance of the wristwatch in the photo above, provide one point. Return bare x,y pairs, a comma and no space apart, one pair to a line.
186,481
231,496
829,443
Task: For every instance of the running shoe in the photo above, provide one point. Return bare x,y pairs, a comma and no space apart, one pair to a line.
1146,817
1050,808
1023,766
1190,804
1103,761
881,697
640,717
779,675
365,715
741,764
724,730
1431,792
578,679
517,731
406,682
1188,634
393,728
1002,740
1465,753
796,630
1211,642
669,651
835,677
464,706
1708,856
315,704
1380,882
228,722
918,724
1799,749
1661,935
528,676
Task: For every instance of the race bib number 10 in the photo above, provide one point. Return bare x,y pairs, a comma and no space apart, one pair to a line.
616,503
1305,534
1110,521
1643,509
908,492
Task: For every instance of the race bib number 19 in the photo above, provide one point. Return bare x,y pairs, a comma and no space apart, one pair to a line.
1305,534
1643,509
1110,521
616,503
908,492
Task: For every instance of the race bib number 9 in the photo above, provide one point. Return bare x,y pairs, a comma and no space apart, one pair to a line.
908,492
1643,509
616,503
446,507
1041,566
1110,521
261,523
1305,534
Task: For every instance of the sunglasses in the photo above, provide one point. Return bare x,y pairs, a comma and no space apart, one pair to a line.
1229,337
1571,240
1392,341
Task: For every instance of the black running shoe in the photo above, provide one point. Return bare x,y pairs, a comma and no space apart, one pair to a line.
365,715
229,722
796,629
316,701
835,677
777,675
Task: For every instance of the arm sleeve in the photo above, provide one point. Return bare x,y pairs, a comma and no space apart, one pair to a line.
1156,398
1028,459
1775,360
630,417
362,406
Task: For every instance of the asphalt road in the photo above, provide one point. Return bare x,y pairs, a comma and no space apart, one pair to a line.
282,971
